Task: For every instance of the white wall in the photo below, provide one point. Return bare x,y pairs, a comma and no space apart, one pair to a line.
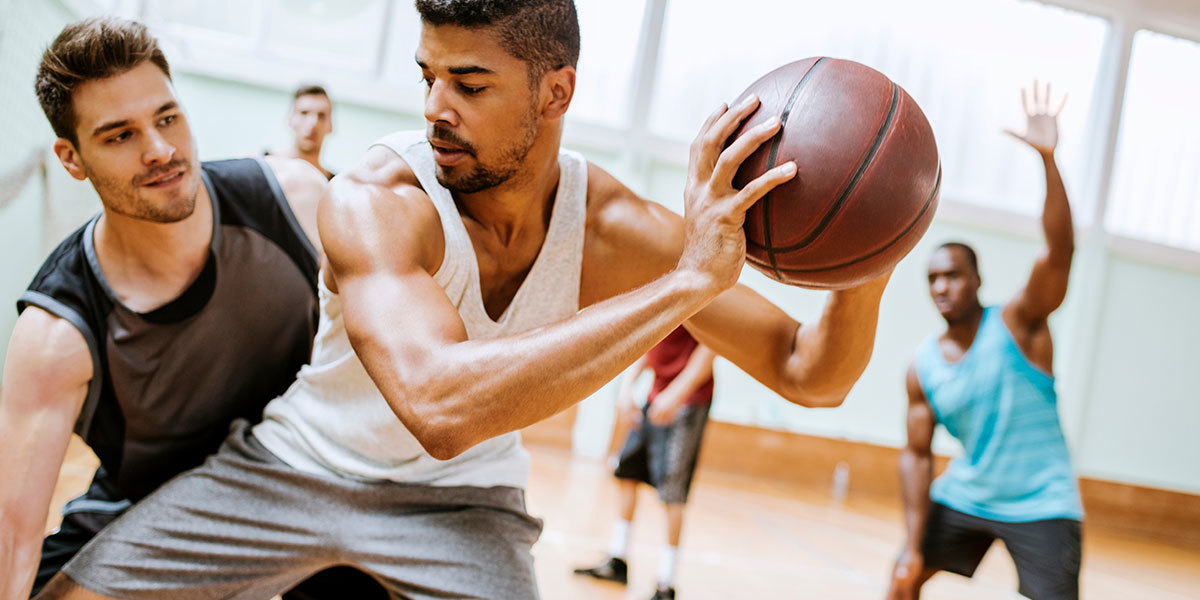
1125,359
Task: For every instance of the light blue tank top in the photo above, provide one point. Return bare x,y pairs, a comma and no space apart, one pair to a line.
1015,465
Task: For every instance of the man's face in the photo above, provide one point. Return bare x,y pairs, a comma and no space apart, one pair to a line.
953,284
481,112
310,121
135,145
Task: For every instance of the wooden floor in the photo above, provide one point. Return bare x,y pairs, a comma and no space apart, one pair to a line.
748,538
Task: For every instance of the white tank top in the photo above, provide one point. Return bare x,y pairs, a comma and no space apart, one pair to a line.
333,420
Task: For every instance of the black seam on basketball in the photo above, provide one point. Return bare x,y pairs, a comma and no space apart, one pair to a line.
858,175
771,157
928,202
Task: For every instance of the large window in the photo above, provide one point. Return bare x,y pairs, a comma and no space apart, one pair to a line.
963,63
1156,178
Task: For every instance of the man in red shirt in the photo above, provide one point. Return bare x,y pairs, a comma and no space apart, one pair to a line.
661,447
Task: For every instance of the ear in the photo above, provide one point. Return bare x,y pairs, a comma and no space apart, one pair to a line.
69,157
560,88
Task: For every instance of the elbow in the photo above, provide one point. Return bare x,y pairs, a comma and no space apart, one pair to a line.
811,398
440,433
441,436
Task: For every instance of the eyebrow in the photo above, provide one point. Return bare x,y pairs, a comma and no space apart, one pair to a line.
119,124
467,70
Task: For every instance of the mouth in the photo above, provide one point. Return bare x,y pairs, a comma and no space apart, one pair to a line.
446,154
166,179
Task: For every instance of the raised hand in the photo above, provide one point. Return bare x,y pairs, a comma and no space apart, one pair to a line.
1041,125
714,244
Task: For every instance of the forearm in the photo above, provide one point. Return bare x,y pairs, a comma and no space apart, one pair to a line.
830,355
464,393
916,474
19,557
1057,224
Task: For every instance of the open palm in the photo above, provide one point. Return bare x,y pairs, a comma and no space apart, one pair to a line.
1041,125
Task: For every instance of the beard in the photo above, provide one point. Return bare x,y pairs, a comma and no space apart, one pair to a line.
487,176
132,200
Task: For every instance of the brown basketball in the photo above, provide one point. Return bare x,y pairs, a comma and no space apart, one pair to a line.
867,181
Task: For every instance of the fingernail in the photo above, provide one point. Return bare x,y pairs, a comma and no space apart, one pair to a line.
751,99
789,168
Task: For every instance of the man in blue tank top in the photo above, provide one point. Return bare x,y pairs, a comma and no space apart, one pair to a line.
987,379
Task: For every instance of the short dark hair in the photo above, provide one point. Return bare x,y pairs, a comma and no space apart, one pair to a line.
309,89
969,251
543,33
94,48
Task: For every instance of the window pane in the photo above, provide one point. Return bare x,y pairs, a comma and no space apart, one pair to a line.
609,30
1156,183
963,62
319,31
232,18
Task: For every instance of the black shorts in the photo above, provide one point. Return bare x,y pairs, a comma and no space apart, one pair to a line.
1046,553
665,457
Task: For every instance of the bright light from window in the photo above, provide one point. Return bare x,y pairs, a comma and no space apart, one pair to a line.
963,62
609,30
1156,179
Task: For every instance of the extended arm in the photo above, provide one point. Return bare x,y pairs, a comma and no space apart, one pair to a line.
916,473
453,393
1047,286
45,381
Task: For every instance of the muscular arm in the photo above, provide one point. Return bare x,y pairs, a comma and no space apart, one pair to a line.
1047,286
45,382
815,364
383,243
916,462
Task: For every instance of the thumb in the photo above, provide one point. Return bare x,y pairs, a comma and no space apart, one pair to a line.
1014,133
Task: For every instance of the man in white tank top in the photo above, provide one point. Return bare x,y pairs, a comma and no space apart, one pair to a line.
479,279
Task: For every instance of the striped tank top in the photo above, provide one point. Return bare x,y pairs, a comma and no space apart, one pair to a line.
1015,465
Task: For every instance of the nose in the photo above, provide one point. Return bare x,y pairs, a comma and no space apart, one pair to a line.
437,106
158,150
938,286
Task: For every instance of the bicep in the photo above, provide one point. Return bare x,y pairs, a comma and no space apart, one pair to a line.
746,329
394,311
46,379
1045,290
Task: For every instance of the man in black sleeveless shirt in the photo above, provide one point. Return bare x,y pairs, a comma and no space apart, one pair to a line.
188,302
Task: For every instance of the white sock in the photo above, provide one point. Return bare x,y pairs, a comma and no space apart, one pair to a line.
618,545
667,563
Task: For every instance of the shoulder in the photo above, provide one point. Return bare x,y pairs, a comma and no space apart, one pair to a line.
377,207
48,351
617,218
296,177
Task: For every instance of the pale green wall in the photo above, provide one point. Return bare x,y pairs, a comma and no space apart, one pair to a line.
25,30
1125,339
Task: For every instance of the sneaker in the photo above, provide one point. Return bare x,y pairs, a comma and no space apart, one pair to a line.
661,594
614,569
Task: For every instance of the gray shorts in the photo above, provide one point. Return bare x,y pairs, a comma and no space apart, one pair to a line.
244,525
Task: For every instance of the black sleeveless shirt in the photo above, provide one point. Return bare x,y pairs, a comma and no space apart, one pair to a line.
167,383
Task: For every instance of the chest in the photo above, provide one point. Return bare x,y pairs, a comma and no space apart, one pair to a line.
503,268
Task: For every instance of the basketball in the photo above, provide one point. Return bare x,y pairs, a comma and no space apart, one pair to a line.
867,176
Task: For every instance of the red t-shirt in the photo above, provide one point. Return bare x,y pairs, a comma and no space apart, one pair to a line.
668,359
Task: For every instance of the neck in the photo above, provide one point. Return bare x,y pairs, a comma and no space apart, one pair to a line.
964,328
136,249
523,202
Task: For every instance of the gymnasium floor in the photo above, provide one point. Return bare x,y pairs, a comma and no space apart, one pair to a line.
749,538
